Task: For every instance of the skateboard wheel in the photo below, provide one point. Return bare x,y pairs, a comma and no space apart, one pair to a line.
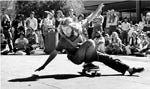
93,74
98,74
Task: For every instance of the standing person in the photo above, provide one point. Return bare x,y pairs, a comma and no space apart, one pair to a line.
49,33
59,17
39,34
53,17
33,23
125,29
112,20
79,52
97,24
72,16
16,24
6,25
47,24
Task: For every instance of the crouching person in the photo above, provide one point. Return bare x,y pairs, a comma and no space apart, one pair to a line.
80,51
85,52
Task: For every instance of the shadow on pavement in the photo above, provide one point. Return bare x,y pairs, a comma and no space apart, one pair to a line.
36,77
57,76
118,75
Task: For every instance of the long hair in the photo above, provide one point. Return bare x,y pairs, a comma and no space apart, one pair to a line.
6,17
61,14
115,36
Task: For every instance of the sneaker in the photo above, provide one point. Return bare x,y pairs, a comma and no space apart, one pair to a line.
90,66
136,70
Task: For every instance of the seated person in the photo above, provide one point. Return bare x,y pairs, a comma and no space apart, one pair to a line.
31,36
21,44
134,43
100,42
107,40
116,46
145,44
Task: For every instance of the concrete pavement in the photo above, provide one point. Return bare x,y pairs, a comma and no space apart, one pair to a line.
17,73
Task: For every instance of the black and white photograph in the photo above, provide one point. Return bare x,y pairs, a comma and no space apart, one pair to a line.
75,44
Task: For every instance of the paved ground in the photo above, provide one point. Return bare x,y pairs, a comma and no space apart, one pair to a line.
16,73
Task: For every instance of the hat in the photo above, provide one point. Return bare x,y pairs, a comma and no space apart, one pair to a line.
98,32
59,11
67,21
48,12
71,10
32,12
148,13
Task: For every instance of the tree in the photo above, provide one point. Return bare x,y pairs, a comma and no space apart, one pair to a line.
39,6
76,5
7,7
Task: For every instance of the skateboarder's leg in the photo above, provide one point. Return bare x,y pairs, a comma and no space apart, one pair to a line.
91,55
116,64
85,53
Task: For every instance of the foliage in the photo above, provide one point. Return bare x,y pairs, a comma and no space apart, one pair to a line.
7,7
39,6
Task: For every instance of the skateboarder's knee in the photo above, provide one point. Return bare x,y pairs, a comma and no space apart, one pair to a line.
91,42
75,60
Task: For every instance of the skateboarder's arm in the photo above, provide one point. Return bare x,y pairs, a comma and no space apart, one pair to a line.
95,13
50,58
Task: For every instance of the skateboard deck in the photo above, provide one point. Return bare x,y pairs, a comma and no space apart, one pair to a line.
90,72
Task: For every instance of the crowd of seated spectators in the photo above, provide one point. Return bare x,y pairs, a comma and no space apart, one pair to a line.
110,34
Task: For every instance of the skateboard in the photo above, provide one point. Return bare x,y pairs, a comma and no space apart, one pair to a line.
90,72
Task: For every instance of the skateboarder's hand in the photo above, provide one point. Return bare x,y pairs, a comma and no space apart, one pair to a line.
40,68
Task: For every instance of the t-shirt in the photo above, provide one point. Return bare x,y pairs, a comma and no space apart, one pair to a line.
47,22
33,23
20,41
125,26
98,20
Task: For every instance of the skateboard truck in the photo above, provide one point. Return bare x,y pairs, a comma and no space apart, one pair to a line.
90,72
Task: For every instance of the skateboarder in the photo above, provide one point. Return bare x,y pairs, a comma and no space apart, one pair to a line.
79,51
